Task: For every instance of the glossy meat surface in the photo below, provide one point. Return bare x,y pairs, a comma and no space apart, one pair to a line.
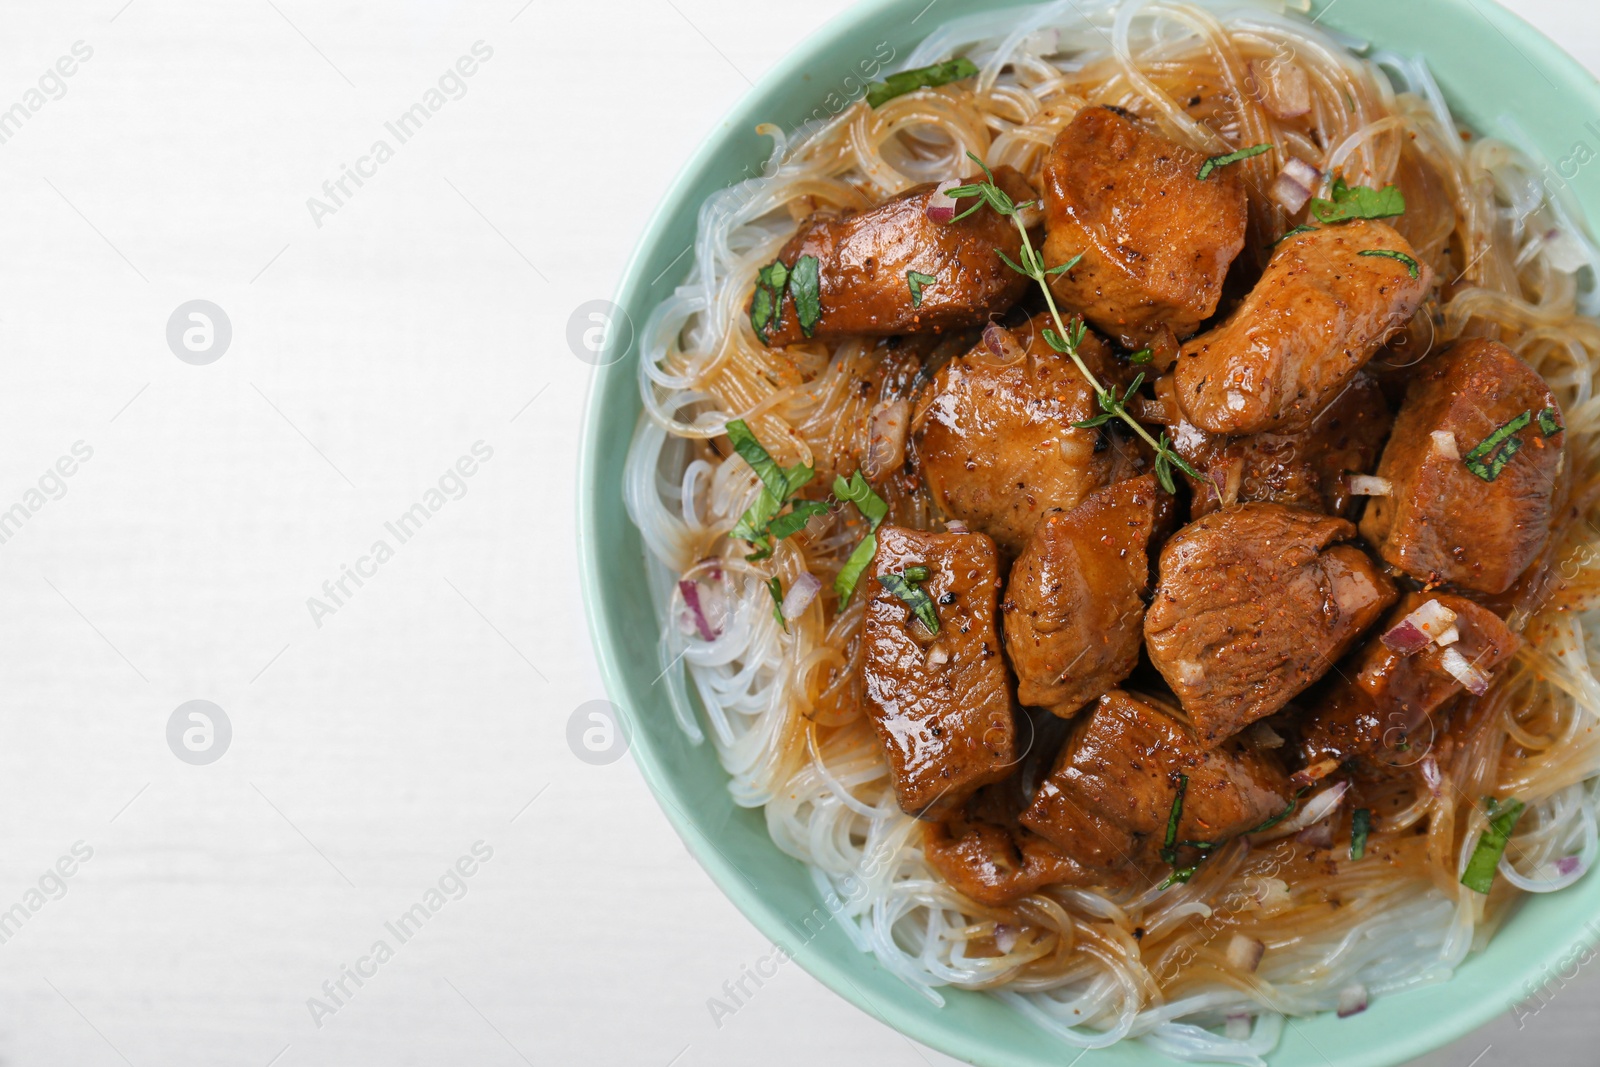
996,443
1382,706
1308,469
1443,520
1109,797
1156,241
1074,613
864,259
1316,316
941,704
1253,605
989,856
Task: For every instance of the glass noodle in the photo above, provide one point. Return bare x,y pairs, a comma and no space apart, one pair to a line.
783,708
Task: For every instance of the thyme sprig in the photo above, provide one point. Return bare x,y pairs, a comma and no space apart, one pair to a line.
1064,339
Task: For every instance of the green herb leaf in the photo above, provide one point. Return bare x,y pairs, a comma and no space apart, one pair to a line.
761,308
873,508
1550,422
774,275
1358,202
1297,231
916,280
859,493
1389,253
1068,265
794,520
1479,875
1169,851
1055,341
1360,827
1144,355
1294,802
1182,874
766,306
775,587
880,93
907,585
1232,157
844,583
777,486
1495,451
806,289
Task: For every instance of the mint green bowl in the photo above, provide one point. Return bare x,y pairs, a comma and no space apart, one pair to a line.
1489,63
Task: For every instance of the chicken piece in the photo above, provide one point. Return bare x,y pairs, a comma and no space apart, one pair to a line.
985,853
996,444
865,261
1308,469
1109,798
1327,302
1074,607
1379,707
1156,240
1254,604
1441,520
941,703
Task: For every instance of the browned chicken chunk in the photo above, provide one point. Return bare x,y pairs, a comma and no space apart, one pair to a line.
941,703
1382,706
989,856
1308,469
1112,792
996,443
1156,240
1254,604
1074,608
1479,530
1328,300
865,263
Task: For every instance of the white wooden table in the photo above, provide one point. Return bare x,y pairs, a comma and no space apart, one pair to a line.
400,741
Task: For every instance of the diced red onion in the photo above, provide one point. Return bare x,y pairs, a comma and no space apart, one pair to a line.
1448,638
1294,184
1317,835
1314,773
1368,485
1282,87
886,438
1244,953
937,656
1475,681
691,599
1005,936
941,207
1319,807
1431,775
1420,628
956,526
1352,1000
800,595
1002,343
1444,444
1568,864
1237,1027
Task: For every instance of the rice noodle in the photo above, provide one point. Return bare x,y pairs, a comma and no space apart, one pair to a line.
784,709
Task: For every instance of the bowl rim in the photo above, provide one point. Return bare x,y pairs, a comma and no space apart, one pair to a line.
1419,1038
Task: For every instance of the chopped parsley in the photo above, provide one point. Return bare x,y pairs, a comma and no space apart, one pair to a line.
1358,202
907,585
1144,355
880,93
1549,422
1360,827
775,587
1296,232
1169,844
1495,451
915,280
1389,253
778,485
801,282
1232,157
872,506
1479,875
